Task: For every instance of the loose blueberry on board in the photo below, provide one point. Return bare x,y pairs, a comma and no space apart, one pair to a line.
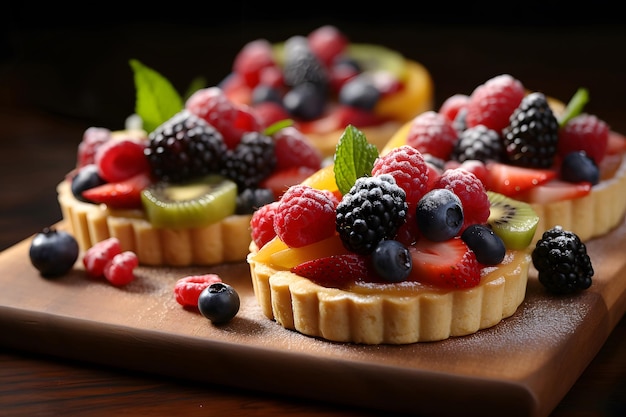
53,252
219,302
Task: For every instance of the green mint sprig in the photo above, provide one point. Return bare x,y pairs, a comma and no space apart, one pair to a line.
354,158
575,106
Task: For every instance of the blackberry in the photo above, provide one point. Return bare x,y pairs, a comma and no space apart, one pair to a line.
184,147
373,210
478,143
531,138
301,65
561,259
251,161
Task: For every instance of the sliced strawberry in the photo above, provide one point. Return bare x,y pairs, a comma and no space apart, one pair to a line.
118,160
338,118
555,190
120,195
279,181
448,264
511,180
335,271
616,143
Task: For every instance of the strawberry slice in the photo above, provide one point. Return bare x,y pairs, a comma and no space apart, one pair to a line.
336,271
338,118
280,180
447,264
124,194
616,143
555,190
511,180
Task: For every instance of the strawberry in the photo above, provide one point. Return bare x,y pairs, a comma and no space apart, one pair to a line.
511,180
280,180
118,160
555,190
338,118
335,271
124,194
616,143
448,264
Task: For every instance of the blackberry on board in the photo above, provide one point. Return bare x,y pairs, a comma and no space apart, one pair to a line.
251,161
531,138
184,147
373,210
562,261
478,143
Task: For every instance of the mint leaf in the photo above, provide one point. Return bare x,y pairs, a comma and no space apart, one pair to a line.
156,98
575,106
354,158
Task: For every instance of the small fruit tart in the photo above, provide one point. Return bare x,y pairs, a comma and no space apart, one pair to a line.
324,82
180,188
567,164
382,249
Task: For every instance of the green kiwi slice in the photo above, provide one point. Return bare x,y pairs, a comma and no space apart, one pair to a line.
514,221
195,203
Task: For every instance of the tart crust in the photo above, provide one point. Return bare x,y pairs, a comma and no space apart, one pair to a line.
393,313
225,241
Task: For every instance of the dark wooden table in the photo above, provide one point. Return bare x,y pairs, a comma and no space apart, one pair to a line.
55,81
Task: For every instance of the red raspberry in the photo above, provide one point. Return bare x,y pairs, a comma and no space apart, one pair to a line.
270,112
230,119
587,133
408,167
99,255
118,160
121,270
188,289
262,224
294,149
273,77
492,103
93,137
432,133
453,104
471,191
305,215
253,58
327,43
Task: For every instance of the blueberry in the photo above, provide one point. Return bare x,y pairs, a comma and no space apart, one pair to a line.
86,178
53,252
392,261
219,302
264,92
439,214
488,246
305,101
359,92
577,166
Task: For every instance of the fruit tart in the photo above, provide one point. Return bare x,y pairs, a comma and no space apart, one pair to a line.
179,188
324,82
385,250
567,164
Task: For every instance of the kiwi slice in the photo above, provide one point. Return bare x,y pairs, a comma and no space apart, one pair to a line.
195,203
514,221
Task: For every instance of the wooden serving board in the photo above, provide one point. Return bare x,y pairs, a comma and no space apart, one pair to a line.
522,366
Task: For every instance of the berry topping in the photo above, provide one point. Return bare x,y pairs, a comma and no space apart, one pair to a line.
373,210
124,194
432,133
187,289
121,269
253,58
99,255
448,264
392,261
251,161
577,166
584,133
488,247
439,214
562,261
262,224
305,215
301,65
478,143
53,252
121,159
531,138
87,177
492,103
93,137
219,302
336,271
327,43
453,104
294,149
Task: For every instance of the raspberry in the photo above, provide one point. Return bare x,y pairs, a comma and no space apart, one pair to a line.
305,215
373,210
118,160
230,119
432,133
293,149
584,132
99,255
471,192
327,43
188,289
492,103
452,105
93,137
262,224
408,167
121,270
252,59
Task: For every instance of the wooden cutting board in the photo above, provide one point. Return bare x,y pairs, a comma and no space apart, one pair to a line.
522,366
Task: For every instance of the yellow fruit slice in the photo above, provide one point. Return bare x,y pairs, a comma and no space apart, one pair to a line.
415,98
290,257
324,179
